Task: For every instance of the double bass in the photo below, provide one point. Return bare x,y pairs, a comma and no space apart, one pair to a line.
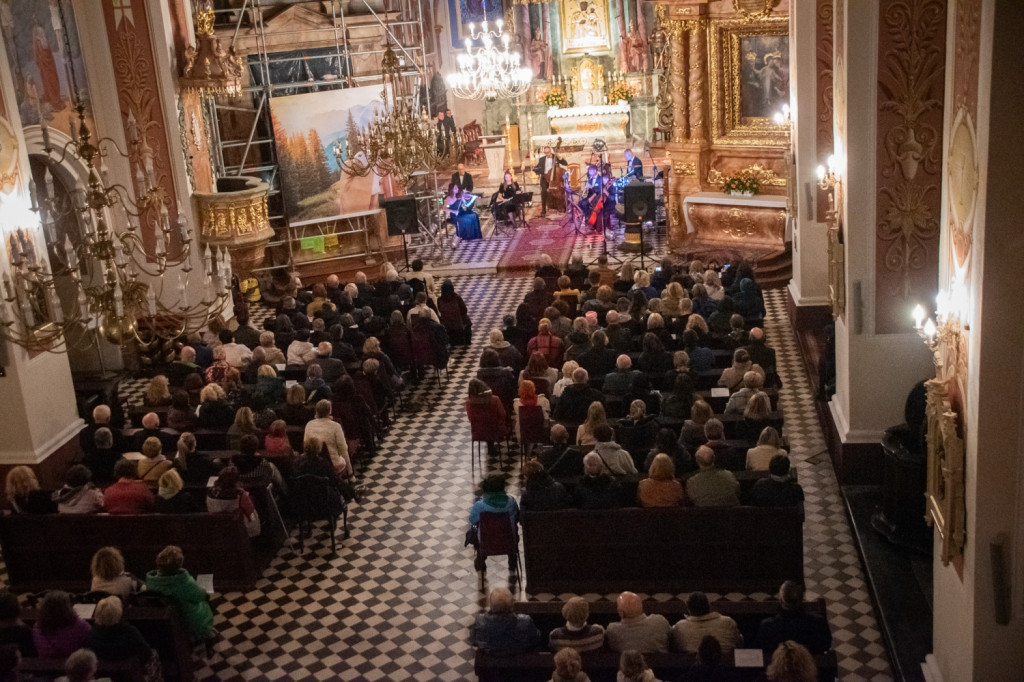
556,191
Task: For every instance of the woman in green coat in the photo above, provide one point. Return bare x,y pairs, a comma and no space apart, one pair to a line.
193,603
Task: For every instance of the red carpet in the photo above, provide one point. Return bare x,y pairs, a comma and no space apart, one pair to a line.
543,236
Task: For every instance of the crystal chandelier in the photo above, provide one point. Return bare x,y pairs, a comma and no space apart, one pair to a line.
111,301
399,141
491,71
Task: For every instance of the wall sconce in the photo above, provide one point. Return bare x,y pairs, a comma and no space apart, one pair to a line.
945,493
827,177
829,181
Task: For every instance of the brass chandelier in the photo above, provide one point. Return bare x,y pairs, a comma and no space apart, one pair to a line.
111,300
210,69
399,141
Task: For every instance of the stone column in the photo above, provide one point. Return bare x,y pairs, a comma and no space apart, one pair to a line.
37,398
810,58
875,371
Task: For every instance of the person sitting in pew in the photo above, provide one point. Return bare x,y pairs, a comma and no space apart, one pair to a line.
193,467
569,667
597,489
791,662
540,491
755,417
701,357
635,630
158,392
128,495
193,603
500,630
184,365
793,623
677,405
779,489
81,666
700,622
58,630
666,442
114,639
585,433
13,631
560,459
661,488
708,667
620,382
23,493
711,486
214,411
109,575
576,635
170,498
180,416
151,429
769,444
726,456
752,382
78,495
576,399
153,464
692,436
633,668
228,495
732,377
612,456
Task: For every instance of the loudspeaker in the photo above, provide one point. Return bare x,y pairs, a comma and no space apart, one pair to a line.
638,202
401,215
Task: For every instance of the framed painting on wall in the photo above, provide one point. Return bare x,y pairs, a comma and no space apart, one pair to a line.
585,27
749,81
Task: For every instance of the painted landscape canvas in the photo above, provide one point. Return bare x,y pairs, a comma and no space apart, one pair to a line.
314,134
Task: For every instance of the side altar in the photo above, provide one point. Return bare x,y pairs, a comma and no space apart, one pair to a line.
754,226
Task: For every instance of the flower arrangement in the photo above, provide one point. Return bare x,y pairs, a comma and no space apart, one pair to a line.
741,184
621,91
556,97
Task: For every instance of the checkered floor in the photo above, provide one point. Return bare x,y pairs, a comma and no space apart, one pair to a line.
396,602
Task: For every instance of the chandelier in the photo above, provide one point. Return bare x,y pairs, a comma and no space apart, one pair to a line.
208,68
104,265
491,71
399,141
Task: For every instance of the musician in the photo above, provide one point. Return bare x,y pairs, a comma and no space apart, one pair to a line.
459,206
546,170
591,190
463,179
507,191
634,166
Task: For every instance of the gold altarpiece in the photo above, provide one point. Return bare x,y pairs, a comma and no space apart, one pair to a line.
713,132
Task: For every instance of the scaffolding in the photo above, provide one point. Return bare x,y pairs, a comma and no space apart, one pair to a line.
254,154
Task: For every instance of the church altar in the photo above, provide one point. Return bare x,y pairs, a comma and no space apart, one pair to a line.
719,219
580,126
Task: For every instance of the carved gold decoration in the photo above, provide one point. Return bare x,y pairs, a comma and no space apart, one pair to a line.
836,266
963,178
9,156
677,76
697,74
685,168
665,99
766,176
753,226
728,127
236,218
752,10
584,27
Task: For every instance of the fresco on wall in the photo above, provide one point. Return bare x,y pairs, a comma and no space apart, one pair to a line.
45,61
462,13
314,133
764,75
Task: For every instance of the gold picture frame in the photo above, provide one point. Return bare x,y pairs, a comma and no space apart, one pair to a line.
945,492
747,57
585,27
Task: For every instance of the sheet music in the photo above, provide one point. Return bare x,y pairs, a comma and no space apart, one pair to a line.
84,611
205,581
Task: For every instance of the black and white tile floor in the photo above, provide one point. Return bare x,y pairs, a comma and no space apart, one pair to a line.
397,600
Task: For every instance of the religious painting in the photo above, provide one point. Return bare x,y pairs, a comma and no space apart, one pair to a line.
584,26
314,134
465,12
749,64
9,153
45,55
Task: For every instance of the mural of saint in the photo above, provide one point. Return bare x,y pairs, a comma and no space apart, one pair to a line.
764,75
540,56
47,65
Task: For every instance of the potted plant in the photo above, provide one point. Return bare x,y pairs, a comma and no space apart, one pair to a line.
742,185
621,92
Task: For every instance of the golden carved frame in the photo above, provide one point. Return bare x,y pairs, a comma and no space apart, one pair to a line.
766,176
600,44
727,126
945,493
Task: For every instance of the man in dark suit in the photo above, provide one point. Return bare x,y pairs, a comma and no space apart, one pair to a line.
793,623
461,178
545,169
634,166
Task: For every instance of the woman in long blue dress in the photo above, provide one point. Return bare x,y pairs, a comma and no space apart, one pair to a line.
459,205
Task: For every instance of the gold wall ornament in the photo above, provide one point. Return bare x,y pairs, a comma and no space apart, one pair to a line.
963,180
209,68
751,10
765,176
748,63
585,27
697,77
944,495
236,218
684,168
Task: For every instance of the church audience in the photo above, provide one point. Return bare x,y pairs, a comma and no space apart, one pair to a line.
500,630
793,623
726,455
13,630
661,488
701,622
752,382
597,489
23,494
576,399
568,667
129,495
171,498
228,495
153,464
586,432
769,444
779,489
540,491
214,411
791,662
561,459
158,393
620,382
193,467
329,432
692,436
109,575
635,630
633,668
113,639
732,376
494,499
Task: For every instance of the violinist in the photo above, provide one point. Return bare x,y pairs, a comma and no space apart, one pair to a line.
591,190
459,206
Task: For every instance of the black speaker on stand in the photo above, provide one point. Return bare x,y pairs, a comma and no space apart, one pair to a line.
638,207
402,220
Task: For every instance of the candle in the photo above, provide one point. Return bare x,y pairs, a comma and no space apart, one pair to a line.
918,316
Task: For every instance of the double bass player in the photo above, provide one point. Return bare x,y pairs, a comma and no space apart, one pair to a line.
547,169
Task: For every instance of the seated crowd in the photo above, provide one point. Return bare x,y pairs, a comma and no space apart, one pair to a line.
613,381
789,639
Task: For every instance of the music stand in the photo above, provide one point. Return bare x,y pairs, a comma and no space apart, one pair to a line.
516,209
602,218
573,213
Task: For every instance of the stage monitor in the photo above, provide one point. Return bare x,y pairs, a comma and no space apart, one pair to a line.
638,202
401,215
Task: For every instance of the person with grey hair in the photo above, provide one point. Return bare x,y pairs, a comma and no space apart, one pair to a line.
100,460
81,666
577,398
711,486
727,456
597,489
101,418
331,367
620,382
329,432
502,631
319,333
273,354
752,382
635,630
